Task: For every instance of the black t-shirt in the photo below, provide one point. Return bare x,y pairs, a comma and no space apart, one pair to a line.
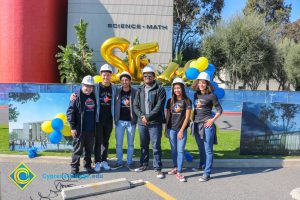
105,104
125,106
177,113
89,113
203,104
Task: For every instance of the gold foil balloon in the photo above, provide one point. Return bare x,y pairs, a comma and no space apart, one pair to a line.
201,64
134,54
193,64
169,73
115,78
107,52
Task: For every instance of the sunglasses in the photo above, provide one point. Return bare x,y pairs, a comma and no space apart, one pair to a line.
148,75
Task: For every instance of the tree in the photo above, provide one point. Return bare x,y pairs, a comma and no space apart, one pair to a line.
191,18
242,48
292,65
273,11
279,73
75,60
292,31
21,98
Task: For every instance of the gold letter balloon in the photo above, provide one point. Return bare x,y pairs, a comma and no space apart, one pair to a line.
135,52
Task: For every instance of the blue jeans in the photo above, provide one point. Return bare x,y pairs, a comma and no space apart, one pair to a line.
121,126
151,133
177,148
205,147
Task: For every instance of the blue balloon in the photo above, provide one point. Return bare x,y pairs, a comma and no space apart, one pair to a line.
215,85
220,93
32,152
192,73
188,156
211,68
55,137
57,124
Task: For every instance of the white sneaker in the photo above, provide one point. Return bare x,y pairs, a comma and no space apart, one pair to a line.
105,165
97,167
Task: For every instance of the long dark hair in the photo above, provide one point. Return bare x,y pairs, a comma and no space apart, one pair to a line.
209,87
174,98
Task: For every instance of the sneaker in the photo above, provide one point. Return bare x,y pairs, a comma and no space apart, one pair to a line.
130,167
180,177
173,171
89,170
197,169
105,165
97,167
160,174
116,166
141,168
204,178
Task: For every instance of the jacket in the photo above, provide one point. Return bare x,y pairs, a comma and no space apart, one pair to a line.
133,116
157,99
75,112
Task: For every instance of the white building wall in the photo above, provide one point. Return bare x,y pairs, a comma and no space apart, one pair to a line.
103,15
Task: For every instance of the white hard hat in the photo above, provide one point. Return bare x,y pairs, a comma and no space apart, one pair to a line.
148,69
88,80
125,74
106,67
178,80
204,76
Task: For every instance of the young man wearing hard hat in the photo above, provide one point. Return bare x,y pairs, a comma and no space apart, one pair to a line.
203,127
149,107
125,119
104,94
81,115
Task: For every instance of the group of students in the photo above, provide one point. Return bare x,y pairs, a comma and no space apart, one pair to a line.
96,106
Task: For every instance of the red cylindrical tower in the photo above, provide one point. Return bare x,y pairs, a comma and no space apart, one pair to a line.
29,35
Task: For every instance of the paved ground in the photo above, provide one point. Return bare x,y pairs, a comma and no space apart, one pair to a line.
242,183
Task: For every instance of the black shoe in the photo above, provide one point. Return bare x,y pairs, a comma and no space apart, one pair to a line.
89,170
160,174
74,171
204,178
116,166
141,168
130,167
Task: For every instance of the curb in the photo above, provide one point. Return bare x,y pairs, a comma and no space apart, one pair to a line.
218,163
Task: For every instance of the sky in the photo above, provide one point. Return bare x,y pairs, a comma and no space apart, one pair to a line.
233,7
49,105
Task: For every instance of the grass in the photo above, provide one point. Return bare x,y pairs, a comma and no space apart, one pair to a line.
227,148
4,137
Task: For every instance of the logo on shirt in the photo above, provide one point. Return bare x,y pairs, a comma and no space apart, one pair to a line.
176,108
198,103
90,104
125,102
105,99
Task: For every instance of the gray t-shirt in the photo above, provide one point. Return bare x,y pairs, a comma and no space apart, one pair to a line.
147,106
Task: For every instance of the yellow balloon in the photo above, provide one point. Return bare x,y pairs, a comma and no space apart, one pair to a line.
61,116
66,130
107,52
181,71
169,73
46,127
115,78
134,54
193,64
201,64
97,79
